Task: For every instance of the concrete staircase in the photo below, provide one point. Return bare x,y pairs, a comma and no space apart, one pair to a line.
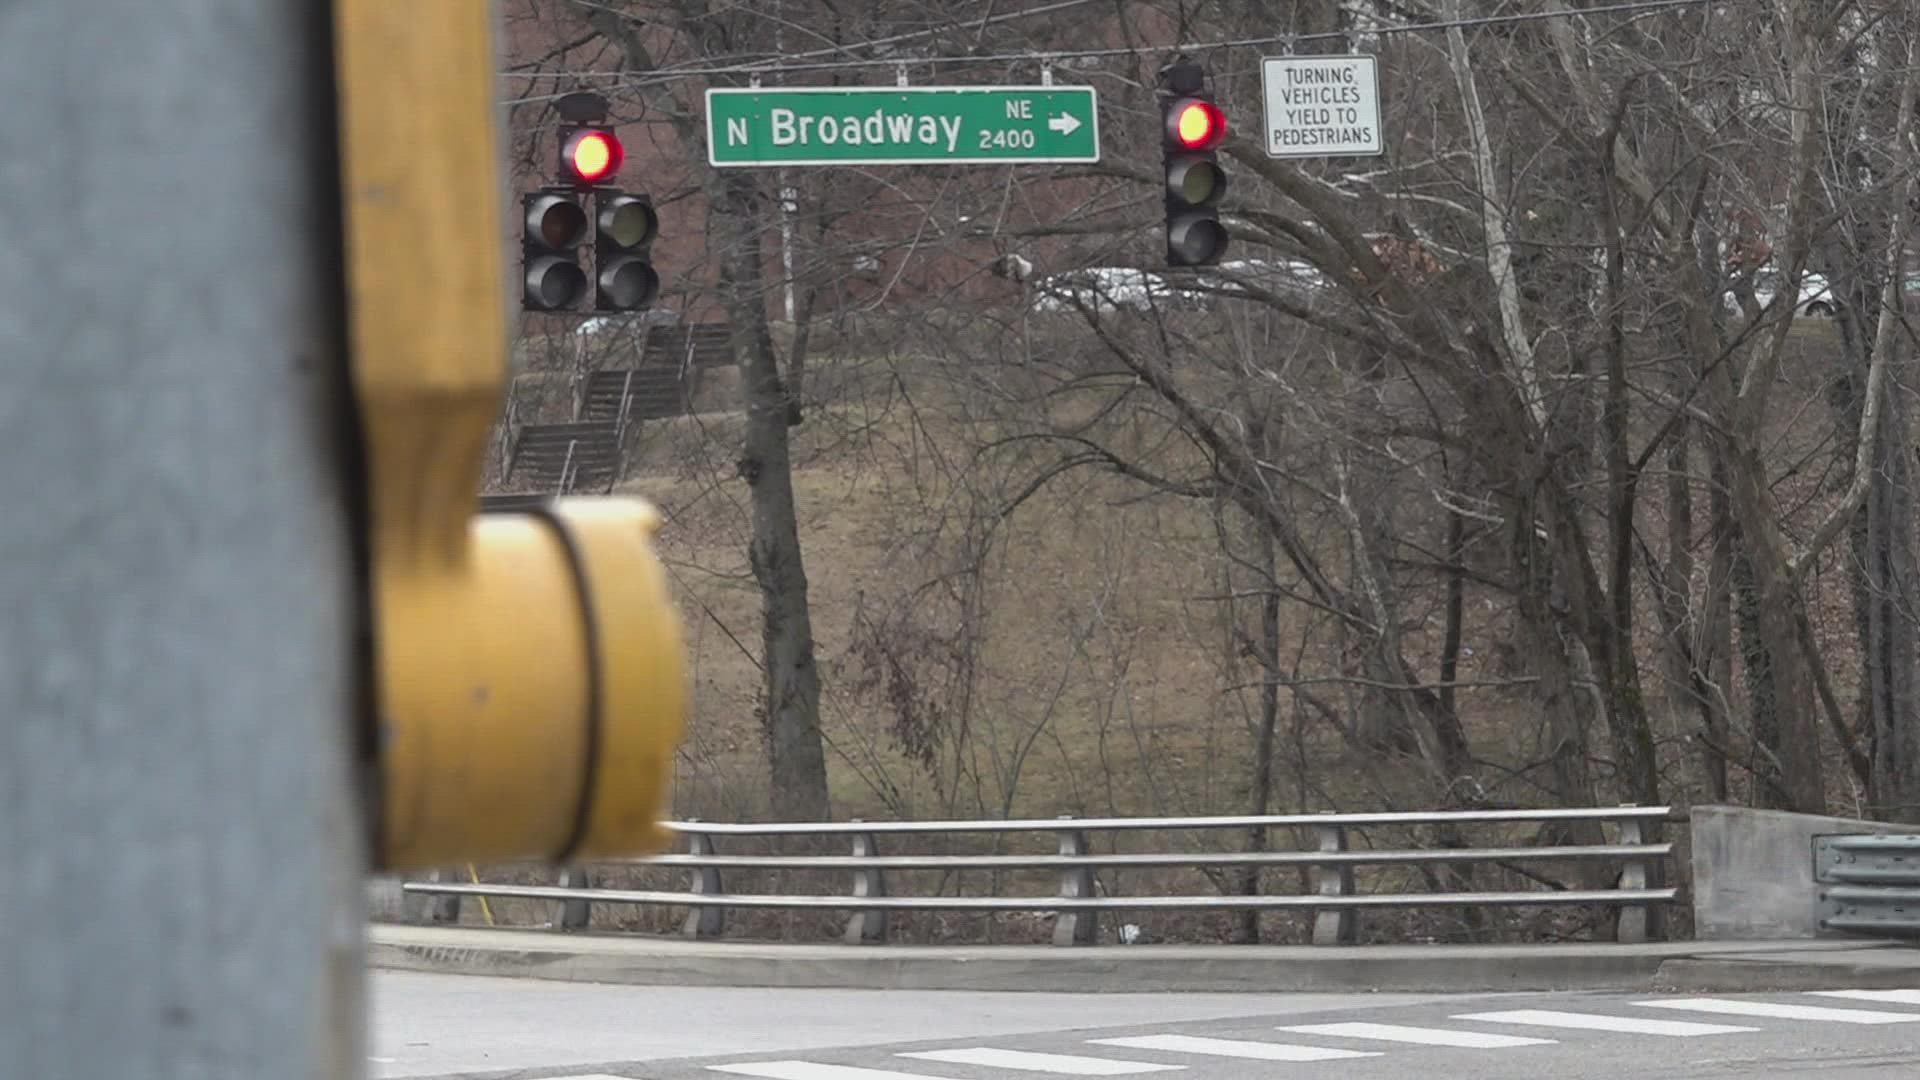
694,346
647,393
511,503
582,456
586,455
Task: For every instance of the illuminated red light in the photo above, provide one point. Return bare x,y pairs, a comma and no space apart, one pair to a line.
594,156
1199,125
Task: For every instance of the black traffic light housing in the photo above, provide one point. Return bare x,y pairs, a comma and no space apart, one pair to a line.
624,228
553,227
562,217
1192,128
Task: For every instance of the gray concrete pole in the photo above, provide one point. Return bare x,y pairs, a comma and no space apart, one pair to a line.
179,852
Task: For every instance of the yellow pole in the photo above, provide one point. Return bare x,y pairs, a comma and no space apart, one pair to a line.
486,909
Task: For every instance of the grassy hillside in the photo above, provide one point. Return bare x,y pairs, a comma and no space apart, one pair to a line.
1072,657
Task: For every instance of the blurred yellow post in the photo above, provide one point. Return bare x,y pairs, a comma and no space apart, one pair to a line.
528,678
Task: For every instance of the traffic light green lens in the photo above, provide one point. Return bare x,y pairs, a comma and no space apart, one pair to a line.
630,224
1197,241
628,284
555,284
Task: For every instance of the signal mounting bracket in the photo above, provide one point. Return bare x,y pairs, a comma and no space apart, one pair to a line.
1182,76
582,108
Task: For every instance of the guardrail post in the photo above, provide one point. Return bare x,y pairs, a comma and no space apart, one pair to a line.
703,880
1075,927
867,925
575,914
415,907
1631,922
431,907
1333,925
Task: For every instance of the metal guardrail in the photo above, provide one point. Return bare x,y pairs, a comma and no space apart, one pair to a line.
1869,884
1076,907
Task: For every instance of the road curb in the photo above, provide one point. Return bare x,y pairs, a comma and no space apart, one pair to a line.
1727,975
1141,973
1692,967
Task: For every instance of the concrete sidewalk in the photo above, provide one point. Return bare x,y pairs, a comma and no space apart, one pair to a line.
1720,967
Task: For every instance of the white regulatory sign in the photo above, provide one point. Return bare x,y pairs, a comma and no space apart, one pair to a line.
1322,106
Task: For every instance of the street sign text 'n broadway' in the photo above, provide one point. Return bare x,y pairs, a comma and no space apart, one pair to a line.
902,125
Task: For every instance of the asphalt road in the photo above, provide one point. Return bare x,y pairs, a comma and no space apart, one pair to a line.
441,1026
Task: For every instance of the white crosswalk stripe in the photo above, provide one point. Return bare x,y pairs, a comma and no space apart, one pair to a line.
1028,1061
1233,1048
1780,1011
1424,1036
813,1070
1733,1015
1634,1025
1884,997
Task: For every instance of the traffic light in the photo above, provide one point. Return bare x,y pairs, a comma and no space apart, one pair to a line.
554,227
558,221
624,227
1193,127
589,156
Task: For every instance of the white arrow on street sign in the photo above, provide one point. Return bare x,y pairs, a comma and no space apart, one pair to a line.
1065,123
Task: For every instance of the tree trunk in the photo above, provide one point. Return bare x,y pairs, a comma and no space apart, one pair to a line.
1260,801
795,751
1455,617
1786,718
1684,656
1891,647
1715,663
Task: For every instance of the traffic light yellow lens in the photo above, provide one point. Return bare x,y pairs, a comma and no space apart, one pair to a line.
630,224
1198,182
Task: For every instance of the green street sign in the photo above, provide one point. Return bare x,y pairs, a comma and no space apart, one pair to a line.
902,125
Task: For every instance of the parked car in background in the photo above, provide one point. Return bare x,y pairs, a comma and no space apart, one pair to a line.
1816,298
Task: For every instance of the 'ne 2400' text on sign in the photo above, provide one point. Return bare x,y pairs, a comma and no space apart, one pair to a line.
1321,106
901,125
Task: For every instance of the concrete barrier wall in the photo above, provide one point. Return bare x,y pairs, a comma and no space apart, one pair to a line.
385,902
1753,871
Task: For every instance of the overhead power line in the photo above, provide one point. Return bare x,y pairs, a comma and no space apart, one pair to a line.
802,62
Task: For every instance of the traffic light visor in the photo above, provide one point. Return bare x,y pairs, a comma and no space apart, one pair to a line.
628,222
593,155
1198,125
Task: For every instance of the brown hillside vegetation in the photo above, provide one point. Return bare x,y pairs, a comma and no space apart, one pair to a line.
1092,669
1083,653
